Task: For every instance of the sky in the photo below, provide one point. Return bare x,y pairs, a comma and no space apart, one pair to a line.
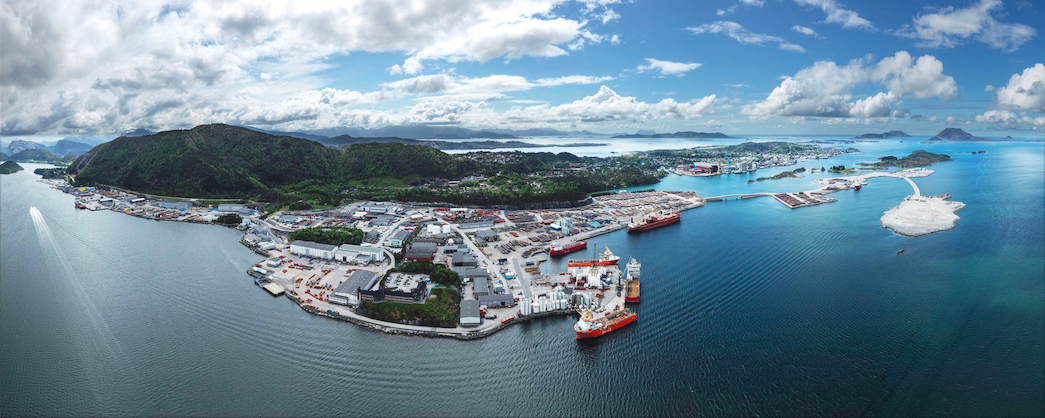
101,67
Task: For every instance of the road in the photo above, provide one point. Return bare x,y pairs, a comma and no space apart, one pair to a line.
523,281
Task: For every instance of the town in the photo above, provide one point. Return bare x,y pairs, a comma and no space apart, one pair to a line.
426,270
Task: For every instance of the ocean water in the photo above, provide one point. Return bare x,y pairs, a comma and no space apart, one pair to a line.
747,308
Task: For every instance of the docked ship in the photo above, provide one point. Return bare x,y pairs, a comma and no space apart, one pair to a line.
558,248
588,326
654,221
605,259
632,293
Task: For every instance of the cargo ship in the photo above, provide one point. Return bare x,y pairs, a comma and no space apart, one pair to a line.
588,326
631,295
558,249
606,259
654,221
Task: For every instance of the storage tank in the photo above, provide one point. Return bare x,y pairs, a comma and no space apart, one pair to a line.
433,229
535,307
446,229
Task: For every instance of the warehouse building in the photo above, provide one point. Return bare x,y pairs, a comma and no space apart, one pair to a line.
397,239
476,225
470,313
481,286
487,235
497,300
346,293
313,249
235,208
462,259
358,254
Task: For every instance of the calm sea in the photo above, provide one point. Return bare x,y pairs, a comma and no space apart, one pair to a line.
748,308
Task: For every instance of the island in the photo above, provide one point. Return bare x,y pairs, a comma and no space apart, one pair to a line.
10,167
917,158
682,134
921,215
884,135
956,135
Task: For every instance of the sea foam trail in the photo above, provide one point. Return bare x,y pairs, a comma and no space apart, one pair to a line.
100,338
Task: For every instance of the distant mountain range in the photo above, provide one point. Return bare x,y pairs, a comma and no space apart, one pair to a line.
61,148
885,135
342,141
431,132
955,134
683,134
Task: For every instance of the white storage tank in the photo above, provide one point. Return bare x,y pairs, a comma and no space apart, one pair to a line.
446,229
433,229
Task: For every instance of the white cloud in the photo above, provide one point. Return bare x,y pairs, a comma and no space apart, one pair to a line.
988,88
805,31
607,105
1024,91
948,27
665,68
824,90
740,34
837,13
1009,119
733,9
199,62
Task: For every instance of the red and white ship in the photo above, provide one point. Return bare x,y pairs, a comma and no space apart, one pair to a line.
558,248
606,259
589,326
654,221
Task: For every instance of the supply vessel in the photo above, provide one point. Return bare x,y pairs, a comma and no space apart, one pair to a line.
605,259
632,293
654,221
558,248
592,326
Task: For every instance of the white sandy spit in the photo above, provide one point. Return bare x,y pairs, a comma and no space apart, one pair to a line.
920,215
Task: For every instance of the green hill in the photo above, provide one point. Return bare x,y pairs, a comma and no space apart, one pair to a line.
228,161
9,167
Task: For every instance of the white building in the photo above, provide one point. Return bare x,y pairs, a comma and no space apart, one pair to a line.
313,249
358,254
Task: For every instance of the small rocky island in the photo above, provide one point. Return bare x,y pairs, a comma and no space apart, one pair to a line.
921,215
885,135
957,135
10,167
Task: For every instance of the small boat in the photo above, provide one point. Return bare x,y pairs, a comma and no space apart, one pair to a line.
857,187
900,251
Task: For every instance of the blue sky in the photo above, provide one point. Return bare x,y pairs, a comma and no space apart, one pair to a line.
739,66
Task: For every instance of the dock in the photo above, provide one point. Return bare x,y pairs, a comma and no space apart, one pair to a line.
274,289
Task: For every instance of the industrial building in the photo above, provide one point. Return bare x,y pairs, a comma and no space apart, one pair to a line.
476,225
313,249
383,220
397,239
706,168
235,208
358,254
424,252
346,293
487,235
470,313
462,259
168,204
497,300
417,295
481,286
